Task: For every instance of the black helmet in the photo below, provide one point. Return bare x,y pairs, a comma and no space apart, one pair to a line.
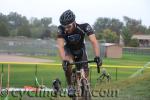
67,17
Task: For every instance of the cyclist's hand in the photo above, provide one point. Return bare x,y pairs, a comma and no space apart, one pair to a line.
65,64
98,61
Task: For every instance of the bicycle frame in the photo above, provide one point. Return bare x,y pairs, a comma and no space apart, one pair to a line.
80,81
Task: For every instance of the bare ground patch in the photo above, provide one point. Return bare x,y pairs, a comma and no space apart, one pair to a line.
14,58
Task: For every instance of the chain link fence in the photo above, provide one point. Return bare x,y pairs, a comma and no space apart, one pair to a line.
33,47
136,50
26,46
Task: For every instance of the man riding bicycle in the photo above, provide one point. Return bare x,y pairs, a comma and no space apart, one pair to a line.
71,46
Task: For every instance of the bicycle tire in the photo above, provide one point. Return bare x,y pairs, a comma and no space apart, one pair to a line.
77,96
85,88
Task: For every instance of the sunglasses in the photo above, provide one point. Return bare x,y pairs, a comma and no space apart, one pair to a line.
68,26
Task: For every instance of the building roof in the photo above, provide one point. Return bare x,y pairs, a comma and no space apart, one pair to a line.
141,37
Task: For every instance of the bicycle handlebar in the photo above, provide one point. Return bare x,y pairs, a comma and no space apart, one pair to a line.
89,61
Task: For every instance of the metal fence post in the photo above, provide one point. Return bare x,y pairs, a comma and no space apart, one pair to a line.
116,73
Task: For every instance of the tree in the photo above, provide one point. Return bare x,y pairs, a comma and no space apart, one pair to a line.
114,25
54,30
126,35
24,30
99,36
3,29
132,24
3,18
35,22
46,21
13,32
101,24
46,34
16,20
106,23
36,32
109,36
148,31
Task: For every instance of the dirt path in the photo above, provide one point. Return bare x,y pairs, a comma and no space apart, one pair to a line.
13,58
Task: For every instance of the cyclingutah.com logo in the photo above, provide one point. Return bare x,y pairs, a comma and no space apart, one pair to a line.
63,93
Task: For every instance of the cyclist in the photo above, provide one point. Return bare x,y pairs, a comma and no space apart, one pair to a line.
71,46
103,75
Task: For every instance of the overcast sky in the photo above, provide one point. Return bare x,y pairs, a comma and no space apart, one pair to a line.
85,10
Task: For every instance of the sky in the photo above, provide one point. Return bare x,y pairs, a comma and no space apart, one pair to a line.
85,10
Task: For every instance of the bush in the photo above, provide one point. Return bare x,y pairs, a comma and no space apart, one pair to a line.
134,43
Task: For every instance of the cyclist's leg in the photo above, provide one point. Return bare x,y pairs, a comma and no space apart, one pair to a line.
85,66
68,72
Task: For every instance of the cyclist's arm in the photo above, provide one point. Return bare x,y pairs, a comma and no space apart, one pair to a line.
95,44
60,43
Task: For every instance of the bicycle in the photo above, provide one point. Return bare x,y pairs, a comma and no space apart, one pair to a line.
104,77
80,83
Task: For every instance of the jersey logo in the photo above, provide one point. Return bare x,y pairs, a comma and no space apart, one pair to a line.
88,28
59,31
74,38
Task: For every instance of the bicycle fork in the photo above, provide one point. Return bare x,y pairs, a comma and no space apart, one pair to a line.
80,78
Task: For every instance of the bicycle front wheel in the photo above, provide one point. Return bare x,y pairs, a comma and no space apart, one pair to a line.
85,88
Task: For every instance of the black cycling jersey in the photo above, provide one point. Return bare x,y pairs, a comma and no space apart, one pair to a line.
75,40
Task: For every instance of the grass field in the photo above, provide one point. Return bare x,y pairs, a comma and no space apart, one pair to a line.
24,75
127,59
128,89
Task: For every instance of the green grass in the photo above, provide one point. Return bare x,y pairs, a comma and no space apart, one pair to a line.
129,89
24,75
127,60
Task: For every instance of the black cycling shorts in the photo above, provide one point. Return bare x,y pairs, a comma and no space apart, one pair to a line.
78,55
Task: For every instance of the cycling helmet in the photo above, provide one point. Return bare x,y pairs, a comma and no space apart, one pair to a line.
67,17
